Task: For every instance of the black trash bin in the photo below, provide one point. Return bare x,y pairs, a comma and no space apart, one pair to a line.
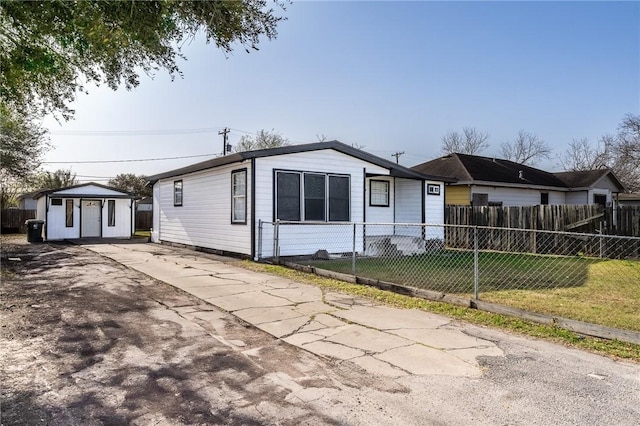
34,230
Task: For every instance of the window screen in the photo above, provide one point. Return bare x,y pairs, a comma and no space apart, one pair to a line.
314,197
111,211
288,196
339,198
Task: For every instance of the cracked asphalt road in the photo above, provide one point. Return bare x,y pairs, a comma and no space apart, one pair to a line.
87,341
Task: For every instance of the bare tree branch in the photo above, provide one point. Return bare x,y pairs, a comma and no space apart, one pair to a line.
527,148
470,141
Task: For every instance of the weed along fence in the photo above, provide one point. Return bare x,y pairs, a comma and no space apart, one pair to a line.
583,281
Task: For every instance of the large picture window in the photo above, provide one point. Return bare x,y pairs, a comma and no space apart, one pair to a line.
239,196
111,212
379,193
69,213
312,197
177,193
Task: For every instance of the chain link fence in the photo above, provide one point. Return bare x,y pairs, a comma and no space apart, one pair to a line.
587,277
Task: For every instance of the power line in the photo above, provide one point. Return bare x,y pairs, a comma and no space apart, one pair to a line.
127,161
135,132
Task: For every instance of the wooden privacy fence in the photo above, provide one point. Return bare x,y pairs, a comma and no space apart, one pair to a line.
588,219
588,230
13,219
144,220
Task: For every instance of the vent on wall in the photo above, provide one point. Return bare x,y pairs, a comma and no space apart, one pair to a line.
56,201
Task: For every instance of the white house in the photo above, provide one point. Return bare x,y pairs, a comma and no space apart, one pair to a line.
219,204
86,210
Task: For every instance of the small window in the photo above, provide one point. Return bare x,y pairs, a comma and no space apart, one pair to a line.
69,213
544,198
433,189
379,193
600,199
111,211
239,196
56,201
177,193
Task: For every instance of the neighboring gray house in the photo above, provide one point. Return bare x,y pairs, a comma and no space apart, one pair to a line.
218,204
145,204
26,201
86,210
482,181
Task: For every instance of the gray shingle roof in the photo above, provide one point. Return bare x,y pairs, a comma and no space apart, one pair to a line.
394,169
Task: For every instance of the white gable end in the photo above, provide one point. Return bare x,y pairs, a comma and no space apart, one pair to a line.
87,189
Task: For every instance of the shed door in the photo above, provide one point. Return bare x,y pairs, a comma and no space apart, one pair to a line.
91,210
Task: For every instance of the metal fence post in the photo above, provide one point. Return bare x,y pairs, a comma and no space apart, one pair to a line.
601,240
259,254
276,241
353,252
476,272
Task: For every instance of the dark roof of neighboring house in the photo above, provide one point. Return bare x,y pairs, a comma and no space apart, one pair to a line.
587,178
43,192
394,169
468,168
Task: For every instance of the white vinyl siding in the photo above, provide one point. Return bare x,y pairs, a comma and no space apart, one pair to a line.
122,227
155,225
510,197
408,206
204,218
578,197
94,190
333,237
56,218
434,212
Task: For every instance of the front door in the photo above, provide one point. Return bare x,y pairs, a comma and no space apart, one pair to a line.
91,218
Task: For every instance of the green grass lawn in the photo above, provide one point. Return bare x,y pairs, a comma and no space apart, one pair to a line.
605,292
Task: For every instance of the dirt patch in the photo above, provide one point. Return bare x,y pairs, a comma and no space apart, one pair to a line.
87,341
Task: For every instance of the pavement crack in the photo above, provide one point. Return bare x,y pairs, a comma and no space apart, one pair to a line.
309,321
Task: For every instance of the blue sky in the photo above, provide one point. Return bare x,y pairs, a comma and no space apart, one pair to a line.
389,76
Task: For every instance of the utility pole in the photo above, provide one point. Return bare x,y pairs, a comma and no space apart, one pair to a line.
224,133
397,155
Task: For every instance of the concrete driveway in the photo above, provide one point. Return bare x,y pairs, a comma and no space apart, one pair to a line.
88,341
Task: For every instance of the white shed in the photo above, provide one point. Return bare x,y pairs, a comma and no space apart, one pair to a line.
218,204
86,210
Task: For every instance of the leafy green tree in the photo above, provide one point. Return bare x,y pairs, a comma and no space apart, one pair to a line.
22,144
132,183
263,140
49,50
58,179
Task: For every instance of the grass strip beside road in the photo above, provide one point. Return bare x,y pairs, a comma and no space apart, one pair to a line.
611,348
598,291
